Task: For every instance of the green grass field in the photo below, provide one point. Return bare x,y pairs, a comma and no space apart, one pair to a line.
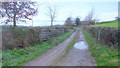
106,21
107,24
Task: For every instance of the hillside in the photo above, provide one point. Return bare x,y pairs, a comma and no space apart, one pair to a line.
107,24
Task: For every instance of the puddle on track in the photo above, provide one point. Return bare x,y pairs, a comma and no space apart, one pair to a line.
81,45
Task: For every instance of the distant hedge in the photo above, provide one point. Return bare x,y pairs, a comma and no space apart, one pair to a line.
105,35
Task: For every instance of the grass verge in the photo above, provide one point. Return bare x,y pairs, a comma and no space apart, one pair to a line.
17,57
0,58
103,55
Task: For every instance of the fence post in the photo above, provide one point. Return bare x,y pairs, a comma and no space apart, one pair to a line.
98,35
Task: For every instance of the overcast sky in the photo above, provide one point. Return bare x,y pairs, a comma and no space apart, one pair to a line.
104,10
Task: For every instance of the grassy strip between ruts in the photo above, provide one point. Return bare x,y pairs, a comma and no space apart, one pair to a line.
71,45
17,57
103,55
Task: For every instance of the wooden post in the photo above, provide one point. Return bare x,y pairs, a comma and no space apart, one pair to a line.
99,35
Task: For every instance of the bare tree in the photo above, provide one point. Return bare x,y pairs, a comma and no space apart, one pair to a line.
17,11
89,18
51,13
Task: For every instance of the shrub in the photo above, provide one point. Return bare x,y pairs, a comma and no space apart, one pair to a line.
105,35
19,37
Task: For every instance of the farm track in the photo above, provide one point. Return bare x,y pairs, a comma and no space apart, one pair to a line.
56,55
78,57
52,54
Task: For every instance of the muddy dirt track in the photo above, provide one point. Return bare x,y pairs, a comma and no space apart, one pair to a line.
56,56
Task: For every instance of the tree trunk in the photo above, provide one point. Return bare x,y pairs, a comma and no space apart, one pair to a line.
14,18
14,21
51,23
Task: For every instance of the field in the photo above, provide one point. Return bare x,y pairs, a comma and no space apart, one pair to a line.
106,24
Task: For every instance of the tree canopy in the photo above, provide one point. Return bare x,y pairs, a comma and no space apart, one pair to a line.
17,11
77,21
69,22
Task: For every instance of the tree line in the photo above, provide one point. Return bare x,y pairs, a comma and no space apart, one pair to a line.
89,20
20,11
